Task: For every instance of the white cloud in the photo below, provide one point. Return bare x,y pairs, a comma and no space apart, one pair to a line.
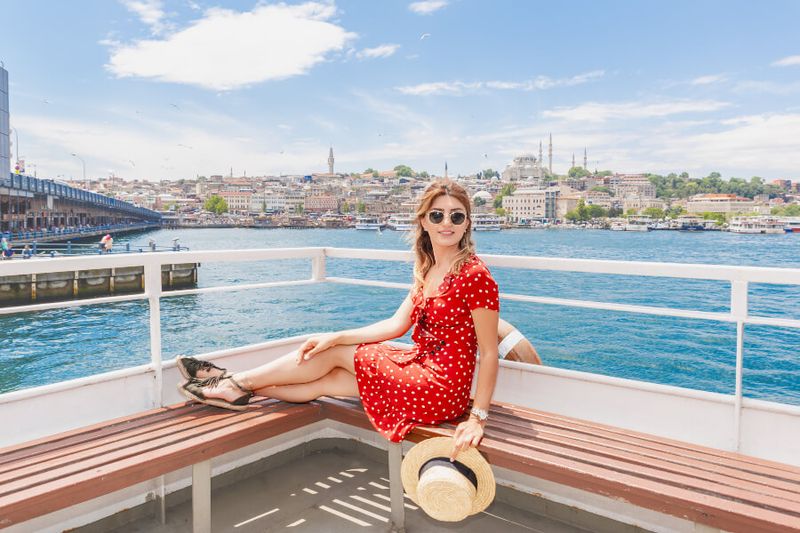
456,88
151,12
384,50
227,49
789,61
768,87
601,112
708,80
427,7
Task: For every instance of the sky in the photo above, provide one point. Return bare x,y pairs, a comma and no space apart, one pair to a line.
170,89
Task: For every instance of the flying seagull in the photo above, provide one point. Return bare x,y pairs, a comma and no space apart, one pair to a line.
132,163
424,36
175,106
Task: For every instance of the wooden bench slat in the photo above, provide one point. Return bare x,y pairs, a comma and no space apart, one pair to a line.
694,469
662,443
698,507
87,484
97,457
97,439
108,450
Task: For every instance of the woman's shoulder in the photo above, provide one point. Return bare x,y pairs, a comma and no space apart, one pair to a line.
474,266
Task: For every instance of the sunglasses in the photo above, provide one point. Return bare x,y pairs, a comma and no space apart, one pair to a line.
456,217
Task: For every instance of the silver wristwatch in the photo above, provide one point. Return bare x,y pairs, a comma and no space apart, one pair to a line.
480,414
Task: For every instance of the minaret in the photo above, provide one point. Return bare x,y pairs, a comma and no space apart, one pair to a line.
550,154
445,169
330,161
541,161
585,166
573,160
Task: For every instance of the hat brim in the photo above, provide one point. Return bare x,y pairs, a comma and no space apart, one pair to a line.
441,447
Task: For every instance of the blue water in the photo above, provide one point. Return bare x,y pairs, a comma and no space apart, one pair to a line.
62,344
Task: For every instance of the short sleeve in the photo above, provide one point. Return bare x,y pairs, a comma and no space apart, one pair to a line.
480,289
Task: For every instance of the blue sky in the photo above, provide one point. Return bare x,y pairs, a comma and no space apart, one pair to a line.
171,89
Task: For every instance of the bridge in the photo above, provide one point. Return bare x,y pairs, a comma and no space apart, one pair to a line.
49,211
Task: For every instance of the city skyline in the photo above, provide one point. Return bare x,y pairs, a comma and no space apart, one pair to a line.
160,90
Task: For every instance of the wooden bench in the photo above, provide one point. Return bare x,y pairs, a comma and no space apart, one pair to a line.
728,491
719,489
59,471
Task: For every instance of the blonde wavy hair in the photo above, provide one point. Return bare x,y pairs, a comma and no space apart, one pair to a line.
423,250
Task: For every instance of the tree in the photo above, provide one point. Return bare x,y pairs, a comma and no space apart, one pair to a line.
345,207
216,204
654,212
600,188
404,170
792,210
490,173
578,172
500,212
361,207
424,174
675,212
614,212
505,191
631,212
718,217
370,170
596,211
479,201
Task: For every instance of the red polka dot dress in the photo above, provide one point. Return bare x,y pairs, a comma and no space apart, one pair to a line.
431,382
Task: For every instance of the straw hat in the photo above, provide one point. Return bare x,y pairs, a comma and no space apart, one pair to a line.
447,491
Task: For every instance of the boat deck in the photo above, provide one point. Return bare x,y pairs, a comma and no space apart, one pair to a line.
333,490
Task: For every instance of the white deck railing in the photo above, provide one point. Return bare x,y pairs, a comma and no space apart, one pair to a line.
738,277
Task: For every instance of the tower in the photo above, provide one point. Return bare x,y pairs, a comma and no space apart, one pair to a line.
445,169
585,166
573,160
541,161
550,155
330,161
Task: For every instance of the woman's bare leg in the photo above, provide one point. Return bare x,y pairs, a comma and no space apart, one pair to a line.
337,382
285,371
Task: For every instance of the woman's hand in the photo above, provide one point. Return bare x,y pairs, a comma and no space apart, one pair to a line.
468,433
315,345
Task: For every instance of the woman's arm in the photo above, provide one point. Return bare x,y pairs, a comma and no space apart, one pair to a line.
391,328
470,432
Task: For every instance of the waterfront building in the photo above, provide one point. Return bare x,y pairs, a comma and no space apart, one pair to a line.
566,203
601,198
531,204
719,203
638,203
268,202
238,201
320,204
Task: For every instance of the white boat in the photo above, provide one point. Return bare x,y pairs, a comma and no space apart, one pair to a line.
617,225
792,225
722,423
756,225
401,222
486,222
638,223
369,223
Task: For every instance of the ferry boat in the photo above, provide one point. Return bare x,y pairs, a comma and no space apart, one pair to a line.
349,486
617,225
638,223
792,225
690,223
370,223
486,222
756,225
401,222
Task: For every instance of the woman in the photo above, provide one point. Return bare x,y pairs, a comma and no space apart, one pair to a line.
453,306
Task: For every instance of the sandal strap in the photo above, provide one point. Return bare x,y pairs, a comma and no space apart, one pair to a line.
238,385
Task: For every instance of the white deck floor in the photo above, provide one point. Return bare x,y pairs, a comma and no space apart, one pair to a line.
329,491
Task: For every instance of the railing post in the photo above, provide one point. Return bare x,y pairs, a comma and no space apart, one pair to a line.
152,287
318,266
739,291
69,247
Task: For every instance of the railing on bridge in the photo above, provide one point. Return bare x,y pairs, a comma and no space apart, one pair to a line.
85,231
52,188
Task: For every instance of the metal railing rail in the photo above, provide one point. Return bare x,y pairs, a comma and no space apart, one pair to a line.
738,277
